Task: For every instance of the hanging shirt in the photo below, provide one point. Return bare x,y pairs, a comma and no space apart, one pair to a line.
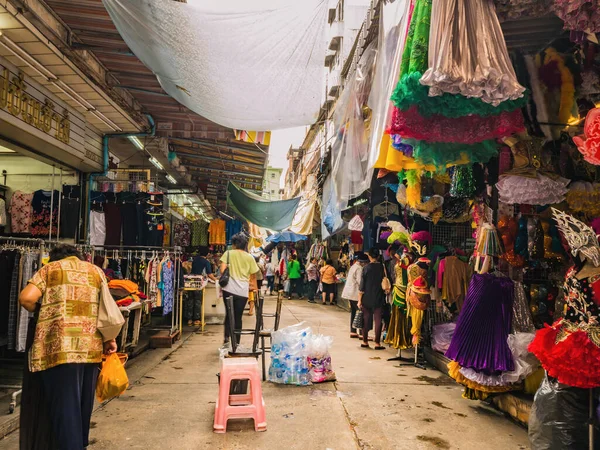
181,234
200,233
2,212
232,228
217,232
20,212
44,206
97,228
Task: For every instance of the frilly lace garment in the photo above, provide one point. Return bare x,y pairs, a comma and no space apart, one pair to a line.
516,9
579,15
464,130
527,183
569,350
468,54
589,145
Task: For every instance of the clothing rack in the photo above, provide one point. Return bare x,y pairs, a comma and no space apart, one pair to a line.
176,252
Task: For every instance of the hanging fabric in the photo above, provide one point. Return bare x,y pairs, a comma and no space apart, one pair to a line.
278,47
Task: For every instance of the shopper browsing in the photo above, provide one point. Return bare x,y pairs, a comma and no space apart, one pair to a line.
351,288
372,298
241,265
193,304
295,277
65,353
312,273
328,280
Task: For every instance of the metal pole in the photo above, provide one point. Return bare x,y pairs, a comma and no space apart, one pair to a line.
591,425
51,204
59,205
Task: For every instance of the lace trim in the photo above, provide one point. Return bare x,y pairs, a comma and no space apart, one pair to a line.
442,154
466,130
410,92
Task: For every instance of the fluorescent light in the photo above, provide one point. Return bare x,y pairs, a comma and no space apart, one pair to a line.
156,163
136,141
170,178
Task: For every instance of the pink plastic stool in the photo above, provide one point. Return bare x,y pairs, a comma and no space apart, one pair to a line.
245,406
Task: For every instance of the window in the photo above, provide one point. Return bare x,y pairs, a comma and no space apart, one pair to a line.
272,175
272,191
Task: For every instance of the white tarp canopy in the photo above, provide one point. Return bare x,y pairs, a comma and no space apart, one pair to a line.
249,65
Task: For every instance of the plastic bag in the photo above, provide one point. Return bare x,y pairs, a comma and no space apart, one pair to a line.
319,359
559,417
112,380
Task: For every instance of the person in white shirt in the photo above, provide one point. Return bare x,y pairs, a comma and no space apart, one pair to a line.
351,288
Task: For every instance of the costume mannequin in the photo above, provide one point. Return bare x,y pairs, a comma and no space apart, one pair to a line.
569,350
418,294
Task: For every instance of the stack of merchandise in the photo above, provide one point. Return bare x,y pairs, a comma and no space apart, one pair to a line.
125,292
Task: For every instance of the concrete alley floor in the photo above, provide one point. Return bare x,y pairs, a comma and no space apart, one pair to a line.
373,405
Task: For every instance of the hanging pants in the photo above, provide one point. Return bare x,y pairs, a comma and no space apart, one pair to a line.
69,394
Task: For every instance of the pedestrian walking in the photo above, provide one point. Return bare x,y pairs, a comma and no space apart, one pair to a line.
312,274
295,277
270,275
328,280
352,287
372,298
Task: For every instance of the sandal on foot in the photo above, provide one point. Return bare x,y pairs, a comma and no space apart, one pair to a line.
365,346
353,335
379,347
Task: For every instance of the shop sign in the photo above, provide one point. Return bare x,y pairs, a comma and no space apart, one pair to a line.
36,118
40,113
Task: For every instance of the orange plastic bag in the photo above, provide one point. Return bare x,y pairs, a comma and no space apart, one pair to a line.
112,380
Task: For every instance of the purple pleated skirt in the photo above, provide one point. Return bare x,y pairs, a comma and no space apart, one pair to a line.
480,339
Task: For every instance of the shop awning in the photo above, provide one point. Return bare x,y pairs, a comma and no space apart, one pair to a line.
274,215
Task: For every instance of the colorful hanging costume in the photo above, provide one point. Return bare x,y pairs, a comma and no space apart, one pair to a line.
480,339
531,182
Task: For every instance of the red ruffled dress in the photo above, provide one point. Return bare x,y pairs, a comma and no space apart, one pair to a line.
569,350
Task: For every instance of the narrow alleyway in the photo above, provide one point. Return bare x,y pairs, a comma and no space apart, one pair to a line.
373,405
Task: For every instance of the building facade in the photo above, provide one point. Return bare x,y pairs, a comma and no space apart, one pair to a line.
271,183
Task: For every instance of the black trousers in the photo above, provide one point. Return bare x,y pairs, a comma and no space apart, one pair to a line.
239,304
353,310
296,286
313,285
69,399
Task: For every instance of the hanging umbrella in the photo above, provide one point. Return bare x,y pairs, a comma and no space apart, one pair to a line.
286,236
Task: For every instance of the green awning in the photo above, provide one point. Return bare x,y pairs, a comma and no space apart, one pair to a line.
274,215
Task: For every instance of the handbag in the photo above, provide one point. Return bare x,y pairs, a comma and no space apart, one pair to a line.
224,278
110,319
357,323
386,285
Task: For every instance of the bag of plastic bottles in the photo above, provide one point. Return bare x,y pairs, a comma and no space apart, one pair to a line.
289,353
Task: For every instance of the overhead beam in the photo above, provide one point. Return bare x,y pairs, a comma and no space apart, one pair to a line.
230,144
231,172
214,158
